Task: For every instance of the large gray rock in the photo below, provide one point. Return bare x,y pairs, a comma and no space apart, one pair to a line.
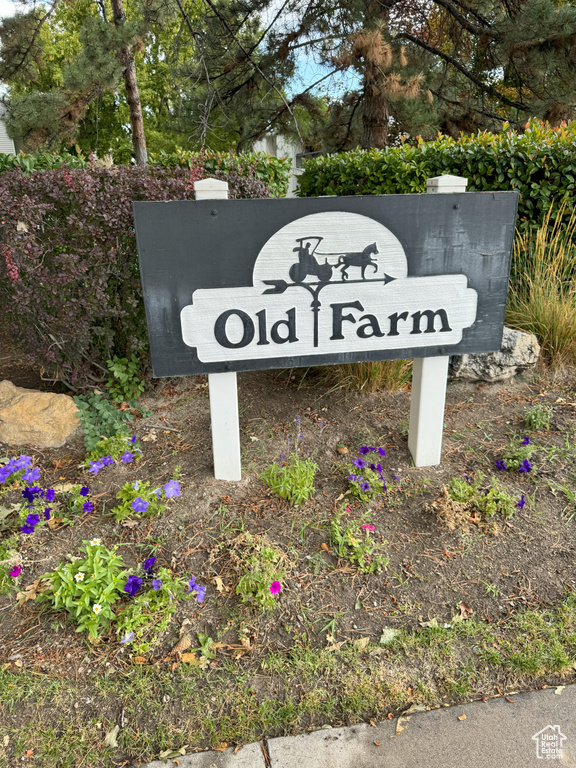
39,419
519,352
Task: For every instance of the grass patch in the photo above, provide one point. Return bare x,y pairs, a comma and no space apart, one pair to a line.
369,376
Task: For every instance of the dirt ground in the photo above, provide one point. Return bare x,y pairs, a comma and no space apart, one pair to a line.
526,561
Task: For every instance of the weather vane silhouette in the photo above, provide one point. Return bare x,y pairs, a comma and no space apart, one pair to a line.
307,265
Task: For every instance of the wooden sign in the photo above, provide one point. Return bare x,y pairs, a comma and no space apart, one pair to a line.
237,285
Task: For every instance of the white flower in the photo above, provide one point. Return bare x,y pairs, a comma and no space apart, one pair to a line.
79,576
97,608
96,542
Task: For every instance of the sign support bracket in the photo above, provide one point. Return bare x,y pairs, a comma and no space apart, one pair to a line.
430,375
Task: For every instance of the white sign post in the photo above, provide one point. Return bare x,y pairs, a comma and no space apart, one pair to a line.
222,387
430,375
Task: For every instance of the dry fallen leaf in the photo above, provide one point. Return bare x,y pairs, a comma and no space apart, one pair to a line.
361,643
6,740
21,226
465,610
222,747
150,437
400,724
559,689
462,717
139,660
326,548
110,740
29,753
220,586
130,523
18,663
378,743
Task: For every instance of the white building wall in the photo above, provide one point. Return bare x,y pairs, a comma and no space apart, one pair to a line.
6,143
279,146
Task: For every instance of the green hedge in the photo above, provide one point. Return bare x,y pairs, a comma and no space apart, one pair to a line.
540,163
274,172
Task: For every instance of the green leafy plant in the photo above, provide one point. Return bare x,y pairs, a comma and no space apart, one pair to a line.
292,476
87,587
517,454
366,478
487,498
259,565
139,500
116,447
148,615
99,418
293,480
353,541
10,564
538,416
205,642
125,384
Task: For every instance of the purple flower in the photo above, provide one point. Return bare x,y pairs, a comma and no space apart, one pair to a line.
96,466
365,486
366,449
352,477
27,528
88,506
381,451
33,519
201,594
84,491
107,460
127,457
50,494
32,493
133,584
526,441
21,463
171,489
501,464
158,493
275,587
133,439
360,463
156,584
191,585
384,488
47,513
395,477
525,466
148,564
521,501
139,505
15,572
31,474
128,637
4,474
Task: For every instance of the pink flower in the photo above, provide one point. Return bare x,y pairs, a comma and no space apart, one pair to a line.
15,571
275,587
367,527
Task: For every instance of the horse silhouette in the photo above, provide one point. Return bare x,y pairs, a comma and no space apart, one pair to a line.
360,259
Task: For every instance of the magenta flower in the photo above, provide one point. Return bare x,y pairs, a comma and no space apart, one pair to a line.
15,572
275,587
367,527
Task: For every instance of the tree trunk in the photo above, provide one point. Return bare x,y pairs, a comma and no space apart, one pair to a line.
132,94
375,112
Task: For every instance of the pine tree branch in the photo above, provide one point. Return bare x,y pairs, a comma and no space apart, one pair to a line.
484,87
465,23
27,50
255,64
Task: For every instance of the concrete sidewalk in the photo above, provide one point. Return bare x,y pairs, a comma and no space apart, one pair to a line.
532,728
